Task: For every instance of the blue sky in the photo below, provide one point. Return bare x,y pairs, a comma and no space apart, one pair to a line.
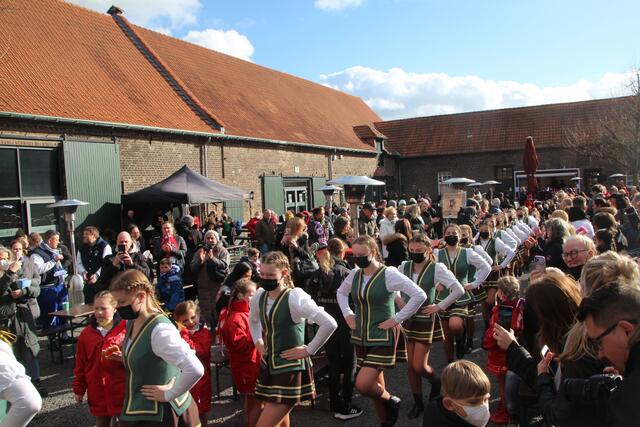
419,57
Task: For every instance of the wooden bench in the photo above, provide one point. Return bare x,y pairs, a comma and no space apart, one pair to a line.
54,335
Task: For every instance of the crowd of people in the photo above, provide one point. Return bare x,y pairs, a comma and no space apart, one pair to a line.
555,282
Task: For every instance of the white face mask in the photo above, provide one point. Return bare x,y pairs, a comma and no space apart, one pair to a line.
4,264
477,416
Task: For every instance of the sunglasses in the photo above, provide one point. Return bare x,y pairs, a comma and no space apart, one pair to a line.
573,253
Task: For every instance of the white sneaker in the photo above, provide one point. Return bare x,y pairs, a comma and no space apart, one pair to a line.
352,412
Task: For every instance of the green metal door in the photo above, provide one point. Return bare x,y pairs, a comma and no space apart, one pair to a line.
273,194
235,209
318,195
92,172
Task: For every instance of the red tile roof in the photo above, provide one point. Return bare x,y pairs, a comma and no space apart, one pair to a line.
65,61
495,130
256,101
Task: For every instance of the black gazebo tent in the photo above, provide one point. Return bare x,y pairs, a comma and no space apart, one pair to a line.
185,187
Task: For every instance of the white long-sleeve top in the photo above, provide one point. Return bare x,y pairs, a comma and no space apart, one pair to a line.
81,269
519,232
502,249
386,229
480,250
508,239
394,282
16,388
167,344
442,276
41,266
483,268
524,227
302,308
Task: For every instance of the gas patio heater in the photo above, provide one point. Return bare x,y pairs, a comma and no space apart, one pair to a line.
492,187
354,193
329,191
69,208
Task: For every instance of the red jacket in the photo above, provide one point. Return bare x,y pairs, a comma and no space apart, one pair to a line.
200,341
497,357
251,227
102,379
244,359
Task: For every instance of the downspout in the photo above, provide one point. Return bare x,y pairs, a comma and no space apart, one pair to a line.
222,158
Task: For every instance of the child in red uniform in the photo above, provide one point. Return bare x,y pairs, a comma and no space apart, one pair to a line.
509,308
244,359
196,334
97,373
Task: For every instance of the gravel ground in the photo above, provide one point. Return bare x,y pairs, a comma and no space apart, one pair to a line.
60,409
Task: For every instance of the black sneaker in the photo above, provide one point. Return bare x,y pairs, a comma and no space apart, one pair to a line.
393,411
348,414
435,389
415,411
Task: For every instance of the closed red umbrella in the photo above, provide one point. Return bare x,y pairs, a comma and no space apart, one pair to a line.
530,163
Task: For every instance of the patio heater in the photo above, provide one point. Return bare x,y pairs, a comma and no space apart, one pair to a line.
69,208
354,192
492,187
329,191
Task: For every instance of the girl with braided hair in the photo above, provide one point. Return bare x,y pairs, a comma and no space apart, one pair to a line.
277,316
161,368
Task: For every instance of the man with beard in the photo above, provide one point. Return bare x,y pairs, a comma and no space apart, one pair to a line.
89,260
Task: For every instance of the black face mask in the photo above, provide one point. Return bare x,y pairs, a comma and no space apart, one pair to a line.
269,284
575,272
126,312
484,235
417,257
451,240
603,248
362,261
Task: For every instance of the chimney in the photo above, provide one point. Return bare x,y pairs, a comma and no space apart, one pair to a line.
115,10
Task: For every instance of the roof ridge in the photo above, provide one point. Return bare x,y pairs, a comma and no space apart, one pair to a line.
165,71
506,109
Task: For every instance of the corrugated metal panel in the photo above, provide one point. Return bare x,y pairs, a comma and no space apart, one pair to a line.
273,194
235,209
92,172
318,196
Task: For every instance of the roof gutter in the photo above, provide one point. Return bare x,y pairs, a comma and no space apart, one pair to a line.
169,131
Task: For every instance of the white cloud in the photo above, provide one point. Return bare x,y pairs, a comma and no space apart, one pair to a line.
398,94
332,5
154,13
230,42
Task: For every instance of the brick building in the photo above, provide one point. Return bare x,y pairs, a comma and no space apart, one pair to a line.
489,145
93,107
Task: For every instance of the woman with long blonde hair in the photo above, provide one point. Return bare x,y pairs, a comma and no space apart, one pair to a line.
277,317
161,368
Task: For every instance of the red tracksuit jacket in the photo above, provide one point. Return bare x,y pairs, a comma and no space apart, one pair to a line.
200,341
244,359
102,379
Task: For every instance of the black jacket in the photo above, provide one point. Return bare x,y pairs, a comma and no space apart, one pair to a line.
323,287
109,272
435,415
557,409
623,409
397,249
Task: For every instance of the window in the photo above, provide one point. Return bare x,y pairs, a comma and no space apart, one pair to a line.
39,173
504,174
443,176
9,173
30,181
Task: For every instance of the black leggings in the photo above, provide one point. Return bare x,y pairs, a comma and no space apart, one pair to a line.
342,361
